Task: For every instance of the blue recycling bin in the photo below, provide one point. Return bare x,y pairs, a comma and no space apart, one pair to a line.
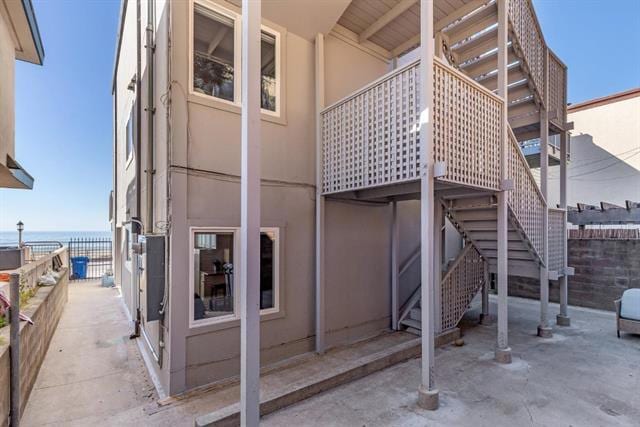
79,266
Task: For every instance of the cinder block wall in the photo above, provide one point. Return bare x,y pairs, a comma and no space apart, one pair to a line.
604,269
45,309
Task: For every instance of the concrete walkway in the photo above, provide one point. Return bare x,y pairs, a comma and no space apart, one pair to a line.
94,375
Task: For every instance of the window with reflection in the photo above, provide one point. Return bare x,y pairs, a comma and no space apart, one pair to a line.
215,270
214,53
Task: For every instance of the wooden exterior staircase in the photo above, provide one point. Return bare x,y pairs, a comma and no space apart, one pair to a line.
370,147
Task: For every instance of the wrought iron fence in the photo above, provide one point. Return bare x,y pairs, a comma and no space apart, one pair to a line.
38,249
98,257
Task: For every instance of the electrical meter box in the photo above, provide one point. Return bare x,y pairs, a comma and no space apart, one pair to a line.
151,250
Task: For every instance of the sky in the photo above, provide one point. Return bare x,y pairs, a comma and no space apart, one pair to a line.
64,108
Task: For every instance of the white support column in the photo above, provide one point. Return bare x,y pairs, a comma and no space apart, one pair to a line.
319,89
250,217
438,251
395,266
544,330
503,352
563,319
427,393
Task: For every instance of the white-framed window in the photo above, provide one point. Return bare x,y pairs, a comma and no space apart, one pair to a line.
216,57
130,135
213,283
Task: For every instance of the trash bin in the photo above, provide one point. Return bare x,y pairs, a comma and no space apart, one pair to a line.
79,266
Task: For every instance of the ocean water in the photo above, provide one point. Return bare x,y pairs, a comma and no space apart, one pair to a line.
8,238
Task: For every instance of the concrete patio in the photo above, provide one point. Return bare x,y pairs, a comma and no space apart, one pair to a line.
94,375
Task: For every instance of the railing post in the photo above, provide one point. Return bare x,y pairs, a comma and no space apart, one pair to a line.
544,330
563,318
14,343
503,352
428,395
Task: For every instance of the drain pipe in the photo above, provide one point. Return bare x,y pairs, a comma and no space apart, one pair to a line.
14,348
150,110
138,149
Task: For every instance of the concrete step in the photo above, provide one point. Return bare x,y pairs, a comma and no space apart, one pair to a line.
315,382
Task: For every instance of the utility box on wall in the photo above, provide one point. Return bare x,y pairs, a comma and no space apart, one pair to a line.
151,249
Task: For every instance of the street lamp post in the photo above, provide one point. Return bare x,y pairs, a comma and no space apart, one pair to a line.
20,226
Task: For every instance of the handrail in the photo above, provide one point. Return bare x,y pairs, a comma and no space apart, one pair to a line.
415,255
526,212
460,285
371,85
521,16
457,261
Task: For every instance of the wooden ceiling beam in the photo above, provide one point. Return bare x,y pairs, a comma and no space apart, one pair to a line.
459,13
385,19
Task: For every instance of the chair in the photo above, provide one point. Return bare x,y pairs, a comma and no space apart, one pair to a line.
628,312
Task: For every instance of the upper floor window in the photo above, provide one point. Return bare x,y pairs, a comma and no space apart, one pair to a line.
130,135
216,57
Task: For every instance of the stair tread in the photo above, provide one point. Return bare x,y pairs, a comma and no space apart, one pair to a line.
410,323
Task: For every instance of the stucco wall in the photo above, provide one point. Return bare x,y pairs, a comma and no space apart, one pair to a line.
126,167
206,192
7,73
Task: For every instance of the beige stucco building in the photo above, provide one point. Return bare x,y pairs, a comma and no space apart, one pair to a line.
19,40
605,151
350,226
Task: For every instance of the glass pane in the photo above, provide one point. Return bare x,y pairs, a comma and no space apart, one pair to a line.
268,72
213,256
213,56
130,135
267,266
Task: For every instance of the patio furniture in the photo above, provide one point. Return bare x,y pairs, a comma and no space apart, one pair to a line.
628,312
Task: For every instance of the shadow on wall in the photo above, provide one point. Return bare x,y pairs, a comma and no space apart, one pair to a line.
595,174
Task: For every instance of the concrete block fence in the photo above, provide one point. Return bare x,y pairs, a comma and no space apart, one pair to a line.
45,309
604,269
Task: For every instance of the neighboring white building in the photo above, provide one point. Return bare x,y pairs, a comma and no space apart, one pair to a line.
19,40
605,151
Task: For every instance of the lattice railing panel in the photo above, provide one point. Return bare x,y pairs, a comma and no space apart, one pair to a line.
461,283
530,41
467,128
557,89
525,200
557,239
371,138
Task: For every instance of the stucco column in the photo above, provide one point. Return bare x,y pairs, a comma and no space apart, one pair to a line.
503,351
563,319
250,216
428,395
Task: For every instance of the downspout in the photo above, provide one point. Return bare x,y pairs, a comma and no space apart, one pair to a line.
138,149
150,110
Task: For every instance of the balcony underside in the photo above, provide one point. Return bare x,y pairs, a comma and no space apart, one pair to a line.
409,190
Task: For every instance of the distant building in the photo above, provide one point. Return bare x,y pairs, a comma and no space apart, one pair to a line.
605,151
19,40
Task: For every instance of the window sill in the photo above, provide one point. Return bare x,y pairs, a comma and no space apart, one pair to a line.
221,324
208,101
